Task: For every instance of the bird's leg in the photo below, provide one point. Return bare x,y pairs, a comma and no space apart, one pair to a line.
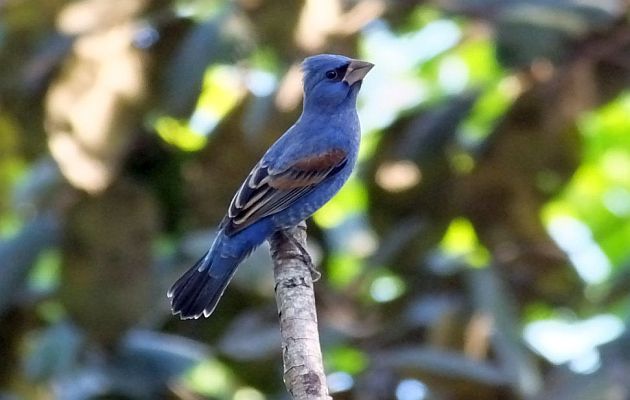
303,254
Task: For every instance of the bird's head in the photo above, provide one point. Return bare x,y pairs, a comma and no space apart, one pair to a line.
331,80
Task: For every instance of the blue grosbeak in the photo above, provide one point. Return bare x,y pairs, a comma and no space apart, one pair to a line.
299,173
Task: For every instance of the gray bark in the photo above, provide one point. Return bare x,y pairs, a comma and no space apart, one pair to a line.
304,374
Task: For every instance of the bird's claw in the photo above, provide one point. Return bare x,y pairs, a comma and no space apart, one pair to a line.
305,257
315,274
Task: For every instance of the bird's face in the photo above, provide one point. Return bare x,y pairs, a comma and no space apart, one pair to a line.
331,81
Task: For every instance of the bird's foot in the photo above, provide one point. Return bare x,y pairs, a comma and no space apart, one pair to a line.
305,257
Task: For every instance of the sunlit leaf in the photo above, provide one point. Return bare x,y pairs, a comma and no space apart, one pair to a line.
492,103
423,15
597,192
248,393
179,134
460,240
265,58
352,198
45,275
222,90
51,311
198,9
210,378
347,359
10,224
479,57
343,268
12,166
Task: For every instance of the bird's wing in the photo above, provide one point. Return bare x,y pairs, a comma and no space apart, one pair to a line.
268,190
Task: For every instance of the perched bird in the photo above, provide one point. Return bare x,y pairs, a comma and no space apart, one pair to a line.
299,173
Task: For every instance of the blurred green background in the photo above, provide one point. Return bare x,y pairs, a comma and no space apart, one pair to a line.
480,251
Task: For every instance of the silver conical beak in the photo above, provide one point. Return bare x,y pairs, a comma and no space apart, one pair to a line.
356,71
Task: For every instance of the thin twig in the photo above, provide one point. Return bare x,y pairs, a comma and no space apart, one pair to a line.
304,374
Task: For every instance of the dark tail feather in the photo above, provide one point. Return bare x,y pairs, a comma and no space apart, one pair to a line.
198,291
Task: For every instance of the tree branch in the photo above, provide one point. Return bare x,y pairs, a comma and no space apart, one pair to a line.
304,374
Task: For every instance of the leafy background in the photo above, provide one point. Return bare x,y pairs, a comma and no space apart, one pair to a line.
481,250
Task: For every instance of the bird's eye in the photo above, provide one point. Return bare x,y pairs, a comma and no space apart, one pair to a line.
332,74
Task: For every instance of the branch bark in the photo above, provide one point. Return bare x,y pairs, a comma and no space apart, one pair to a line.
304,374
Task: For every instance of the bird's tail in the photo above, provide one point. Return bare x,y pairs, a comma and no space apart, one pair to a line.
198,291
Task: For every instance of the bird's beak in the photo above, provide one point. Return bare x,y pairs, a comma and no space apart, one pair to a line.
356,71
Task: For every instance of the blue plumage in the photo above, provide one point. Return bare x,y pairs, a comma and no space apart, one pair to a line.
299,173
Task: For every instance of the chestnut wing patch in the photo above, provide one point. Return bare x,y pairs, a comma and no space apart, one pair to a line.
267,191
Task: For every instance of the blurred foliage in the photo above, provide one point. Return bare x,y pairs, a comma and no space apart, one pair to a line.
481,250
